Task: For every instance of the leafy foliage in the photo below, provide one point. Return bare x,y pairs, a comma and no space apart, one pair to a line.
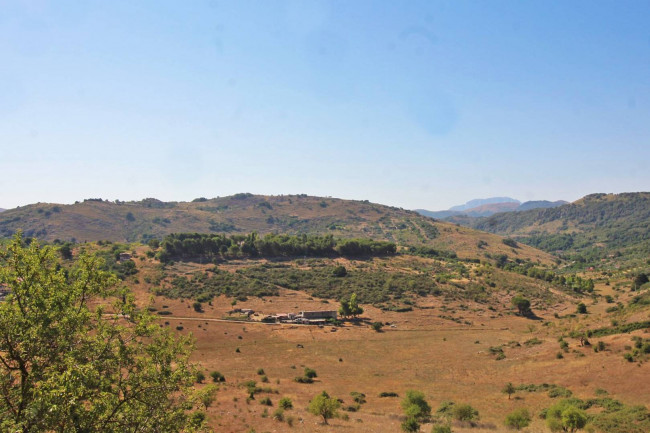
66,367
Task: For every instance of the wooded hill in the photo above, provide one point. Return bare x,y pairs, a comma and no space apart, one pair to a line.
598,226
95,219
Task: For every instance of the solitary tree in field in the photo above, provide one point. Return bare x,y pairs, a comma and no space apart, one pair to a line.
67,367
523,305
509,389
324,405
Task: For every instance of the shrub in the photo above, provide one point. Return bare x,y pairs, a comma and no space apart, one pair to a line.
388,394
198,307
260,371
278,415
518,419
410,425
377,326
285,403
441,429
266,401
310,373
581,308
465,412
199,377
217,377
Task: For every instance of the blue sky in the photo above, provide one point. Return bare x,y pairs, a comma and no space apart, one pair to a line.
418,104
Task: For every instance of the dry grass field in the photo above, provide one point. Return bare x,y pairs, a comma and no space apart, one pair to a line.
444,359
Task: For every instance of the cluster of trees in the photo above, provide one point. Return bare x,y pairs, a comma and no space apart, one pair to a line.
211,246
574,283
350,307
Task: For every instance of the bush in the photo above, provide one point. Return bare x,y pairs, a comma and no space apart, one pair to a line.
217,377
441,429
266,401
260,371
198,307
377,326
310,373
465,412
388,394
581,308
199,377
278,415
285,403
410,425
518,419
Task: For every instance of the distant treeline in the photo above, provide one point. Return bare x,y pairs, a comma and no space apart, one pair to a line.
214,246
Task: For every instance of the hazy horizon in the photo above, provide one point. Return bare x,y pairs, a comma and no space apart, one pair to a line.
418,105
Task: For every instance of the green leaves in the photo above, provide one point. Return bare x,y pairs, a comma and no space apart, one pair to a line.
66,366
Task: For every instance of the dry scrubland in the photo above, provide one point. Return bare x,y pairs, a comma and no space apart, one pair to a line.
445,359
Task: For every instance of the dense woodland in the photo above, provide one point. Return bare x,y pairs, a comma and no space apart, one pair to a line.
212,246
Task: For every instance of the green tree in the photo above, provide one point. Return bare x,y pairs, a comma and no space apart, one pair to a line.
509,389
573,419
324,405
518,419
344,309
67,367
522,304
564,416
415,405
340,271
581,308
355,309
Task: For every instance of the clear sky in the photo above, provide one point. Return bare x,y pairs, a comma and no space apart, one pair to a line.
418,104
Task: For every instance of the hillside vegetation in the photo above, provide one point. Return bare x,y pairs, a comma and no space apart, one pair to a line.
598,226
94,219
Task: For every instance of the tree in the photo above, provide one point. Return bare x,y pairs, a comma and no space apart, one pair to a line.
67,367
340,271
573,419
581,308
639,280
355,309
518,419
344,309
509,389
563,416
415,405
523,305
324,405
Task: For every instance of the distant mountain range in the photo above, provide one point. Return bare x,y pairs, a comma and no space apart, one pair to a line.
489,206
2,210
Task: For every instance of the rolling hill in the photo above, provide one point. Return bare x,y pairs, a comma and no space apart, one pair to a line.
96,219
596,227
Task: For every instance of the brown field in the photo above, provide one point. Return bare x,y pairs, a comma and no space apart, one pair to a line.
444,359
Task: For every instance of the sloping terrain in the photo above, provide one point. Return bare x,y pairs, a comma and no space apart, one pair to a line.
598,226
93,220
456,342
